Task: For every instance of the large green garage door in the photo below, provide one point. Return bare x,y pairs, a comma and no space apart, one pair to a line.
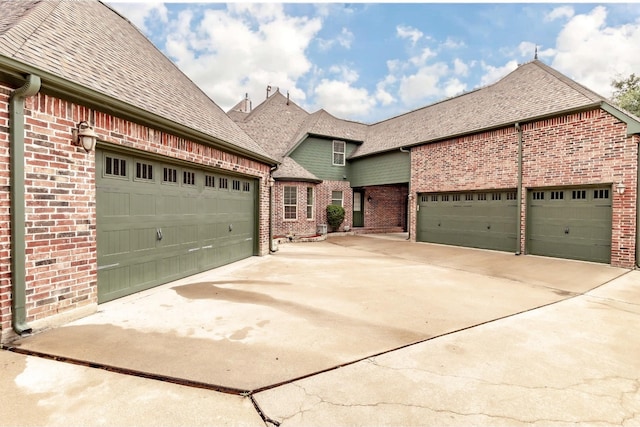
485,220
158,221
570,223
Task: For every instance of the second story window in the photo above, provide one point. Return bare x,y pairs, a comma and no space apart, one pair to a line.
338,153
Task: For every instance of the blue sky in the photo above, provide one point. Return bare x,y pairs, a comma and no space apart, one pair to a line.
370,61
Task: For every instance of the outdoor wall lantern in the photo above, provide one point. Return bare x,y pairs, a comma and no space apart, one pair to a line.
369,199
620,188
84,136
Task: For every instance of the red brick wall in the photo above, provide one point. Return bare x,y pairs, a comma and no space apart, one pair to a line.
577,149
61,264
387,208
301,227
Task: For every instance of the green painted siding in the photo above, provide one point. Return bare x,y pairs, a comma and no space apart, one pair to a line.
388,168
316,156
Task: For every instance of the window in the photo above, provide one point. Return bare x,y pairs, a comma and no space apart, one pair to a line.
538,195
468,196
170,175
434,198
246,186
290,203
209,181
444,197
601,194
336,198
144,171
482,196
512,195
188,178
579,194
115,167
338,153
223,183
496,196
455,197
236,185
309,202
557,195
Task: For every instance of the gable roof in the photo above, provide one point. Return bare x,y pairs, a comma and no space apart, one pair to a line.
90,45
274,123
531,91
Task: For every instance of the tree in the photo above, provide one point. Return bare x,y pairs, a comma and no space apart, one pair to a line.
626,93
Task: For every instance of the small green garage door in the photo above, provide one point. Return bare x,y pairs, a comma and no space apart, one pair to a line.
485,220
158,221
570,223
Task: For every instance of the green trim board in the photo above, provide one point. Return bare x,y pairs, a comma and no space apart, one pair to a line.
160,221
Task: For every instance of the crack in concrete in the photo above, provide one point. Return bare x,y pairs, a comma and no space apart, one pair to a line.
322,400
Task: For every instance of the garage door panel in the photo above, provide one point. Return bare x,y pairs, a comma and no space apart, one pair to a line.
482,220
576,225
193,218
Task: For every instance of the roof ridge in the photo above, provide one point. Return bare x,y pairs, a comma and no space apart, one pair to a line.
568,81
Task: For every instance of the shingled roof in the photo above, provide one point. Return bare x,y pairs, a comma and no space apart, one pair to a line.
89,44
274,123
531,91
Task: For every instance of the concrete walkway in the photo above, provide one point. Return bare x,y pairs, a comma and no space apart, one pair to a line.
365,331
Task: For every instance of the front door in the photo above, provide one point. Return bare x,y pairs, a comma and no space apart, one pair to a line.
358,211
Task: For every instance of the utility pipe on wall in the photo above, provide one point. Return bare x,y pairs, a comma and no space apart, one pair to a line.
18,216
638,206
519,189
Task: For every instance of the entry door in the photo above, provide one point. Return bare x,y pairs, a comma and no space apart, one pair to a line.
358,212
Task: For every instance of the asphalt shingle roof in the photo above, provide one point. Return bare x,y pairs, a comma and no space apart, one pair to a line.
89,44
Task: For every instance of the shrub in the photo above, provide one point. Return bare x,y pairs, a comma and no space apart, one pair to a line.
335,216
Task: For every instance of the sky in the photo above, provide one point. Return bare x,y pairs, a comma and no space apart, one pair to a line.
368,62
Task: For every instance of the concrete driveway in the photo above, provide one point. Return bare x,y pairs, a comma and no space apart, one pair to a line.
364,330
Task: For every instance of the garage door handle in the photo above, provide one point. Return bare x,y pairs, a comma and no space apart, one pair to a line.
566,230
159,233
230,227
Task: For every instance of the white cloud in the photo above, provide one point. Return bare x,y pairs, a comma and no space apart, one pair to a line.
344,73
453,44
559,13
409,33
422,58
139,13
425,83
460,68
343,100
243,49
592,53
493,74
344,39
453,87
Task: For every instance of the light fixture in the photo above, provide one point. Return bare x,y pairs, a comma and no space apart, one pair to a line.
84,136
369,199
620,188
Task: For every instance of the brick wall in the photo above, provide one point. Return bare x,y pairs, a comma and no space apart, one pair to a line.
387,208
61,263
576,149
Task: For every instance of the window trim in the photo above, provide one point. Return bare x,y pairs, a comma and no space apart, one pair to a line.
341,197
286,205
310,206
341,153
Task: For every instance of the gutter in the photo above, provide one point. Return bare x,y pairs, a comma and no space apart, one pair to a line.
18,215
409,196
519,189
65,89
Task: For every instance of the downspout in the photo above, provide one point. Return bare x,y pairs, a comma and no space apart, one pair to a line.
18,215
409,195
519,189
271,184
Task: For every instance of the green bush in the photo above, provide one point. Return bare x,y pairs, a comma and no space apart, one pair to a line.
335,216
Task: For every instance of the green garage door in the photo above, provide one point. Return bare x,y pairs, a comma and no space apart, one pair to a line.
158,221
485,220
570,223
